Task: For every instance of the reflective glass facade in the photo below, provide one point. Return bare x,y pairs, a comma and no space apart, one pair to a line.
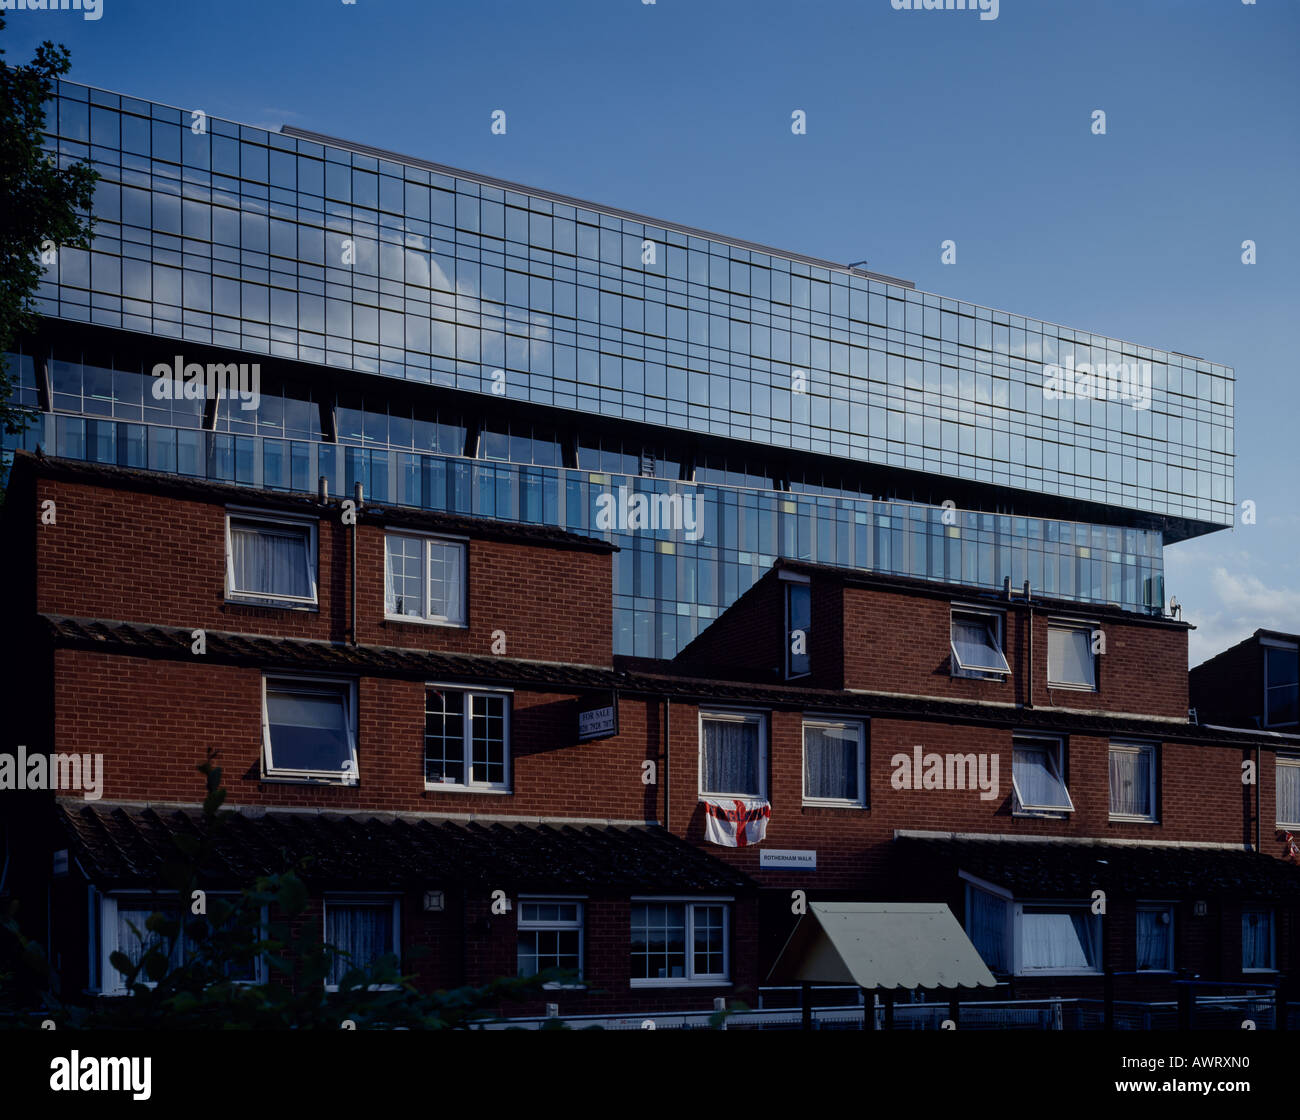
270,244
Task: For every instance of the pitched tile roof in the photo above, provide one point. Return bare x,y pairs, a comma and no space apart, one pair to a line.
128,845
139,639
1068,869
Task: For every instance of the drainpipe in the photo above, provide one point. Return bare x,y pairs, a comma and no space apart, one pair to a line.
667,706
1258,761
356,518
1029,700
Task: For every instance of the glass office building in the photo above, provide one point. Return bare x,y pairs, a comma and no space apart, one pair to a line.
455,342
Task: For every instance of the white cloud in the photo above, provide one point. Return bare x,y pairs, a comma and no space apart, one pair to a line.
1244,604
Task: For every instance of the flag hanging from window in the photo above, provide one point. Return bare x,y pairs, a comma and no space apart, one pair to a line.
736,822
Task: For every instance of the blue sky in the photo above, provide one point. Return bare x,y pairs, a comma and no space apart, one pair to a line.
922,126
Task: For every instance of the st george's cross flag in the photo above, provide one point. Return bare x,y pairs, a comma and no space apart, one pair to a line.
736,822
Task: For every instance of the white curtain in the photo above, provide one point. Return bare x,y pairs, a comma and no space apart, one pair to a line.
363,930
731,757
445,581
1069,656
1057,939
1037,783
270,563
986,925
1256,939
133,946
974,643
1154,935
831,761
1130,783
1288,793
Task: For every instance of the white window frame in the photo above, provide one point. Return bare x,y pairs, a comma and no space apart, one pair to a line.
1055,905
1272,938
1073,625
306,682
1266,644
355,898
1007,899
282,522
735,715
1057,757
788,580
104,940
1168,909
818,720
522,927
691,979
999,629
469,785
1279,761
1135,746
425,618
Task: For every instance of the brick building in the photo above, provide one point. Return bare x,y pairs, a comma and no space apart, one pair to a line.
435,758
663,532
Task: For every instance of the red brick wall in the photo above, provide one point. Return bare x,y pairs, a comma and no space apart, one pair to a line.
897,641
154,720
137,557
1229,688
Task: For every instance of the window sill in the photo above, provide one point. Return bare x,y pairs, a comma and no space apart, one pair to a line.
276,604
1043,814
407,620
1072,687
811,803
732,796
454,787
368,988
1116,818
324,780
1259,971
1060,972
677,982
991,678
564,987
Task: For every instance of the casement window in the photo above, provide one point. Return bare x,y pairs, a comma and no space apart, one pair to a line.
1038,775
679,942
270,561
976,645
364,929
988,924
1155,937
733,754
834,762
1055,938
1288,791
424,579
1132,781
309,730
549,936
123,927
466,739
1281,682
798,621
1070,660
1257,940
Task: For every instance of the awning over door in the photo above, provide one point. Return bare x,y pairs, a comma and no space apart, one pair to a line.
881,945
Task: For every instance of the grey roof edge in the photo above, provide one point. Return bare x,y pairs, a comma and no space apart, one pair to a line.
1063,841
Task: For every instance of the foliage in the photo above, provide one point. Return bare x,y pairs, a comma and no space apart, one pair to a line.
40,202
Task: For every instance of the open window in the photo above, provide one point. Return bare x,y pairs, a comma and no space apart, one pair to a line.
309,730
976,645
1038,775
1070,660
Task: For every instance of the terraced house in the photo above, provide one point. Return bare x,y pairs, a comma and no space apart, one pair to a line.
890,626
